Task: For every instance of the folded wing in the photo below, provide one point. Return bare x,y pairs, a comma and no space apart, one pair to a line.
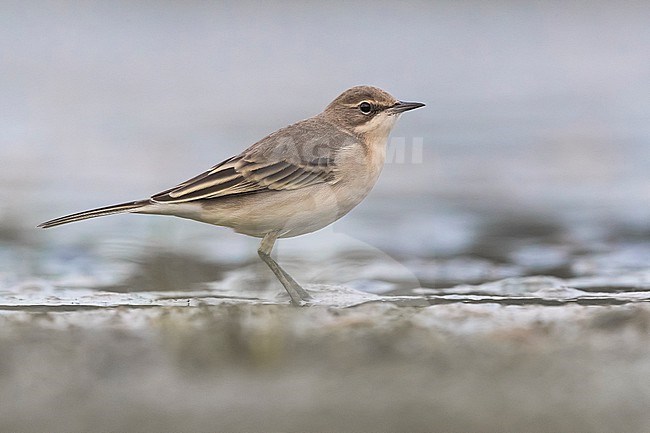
239,175
294,157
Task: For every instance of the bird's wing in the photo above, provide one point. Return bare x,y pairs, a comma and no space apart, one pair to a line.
277,162
238,175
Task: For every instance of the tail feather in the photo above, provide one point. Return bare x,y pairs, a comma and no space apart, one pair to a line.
93,213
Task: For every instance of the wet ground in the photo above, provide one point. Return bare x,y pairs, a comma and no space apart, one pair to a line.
228,365
518,330
497,279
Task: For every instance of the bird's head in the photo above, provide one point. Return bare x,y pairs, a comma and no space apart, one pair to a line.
367,111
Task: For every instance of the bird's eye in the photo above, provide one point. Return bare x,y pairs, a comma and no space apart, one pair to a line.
365,107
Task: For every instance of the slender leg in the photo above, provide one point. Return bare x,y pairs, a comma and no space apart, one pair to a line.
299,296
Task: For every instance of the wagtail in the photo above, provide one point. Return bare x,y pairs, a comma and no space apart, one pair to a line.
297,180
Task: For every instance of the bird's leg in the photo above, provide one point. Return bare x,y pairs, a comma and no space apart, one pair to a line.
299,296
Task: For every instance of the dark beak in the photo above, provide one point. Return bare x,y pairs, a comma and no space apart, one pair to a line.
402,106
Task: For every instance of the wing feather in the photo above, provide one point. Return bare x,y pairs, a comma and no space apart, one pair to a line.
277,162
238,176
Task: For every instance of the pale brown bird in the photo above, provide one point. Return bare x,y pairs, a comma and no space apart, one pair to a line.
296,180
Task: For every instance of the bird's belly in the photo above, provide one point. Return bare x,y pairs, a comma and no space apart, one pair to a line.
290,213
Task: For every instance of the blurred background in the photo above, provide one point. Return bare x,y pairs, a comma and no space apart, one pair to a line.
535,135
531,157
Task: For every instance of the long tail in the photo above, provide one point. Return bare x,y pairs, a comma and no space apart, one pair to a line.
102,211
